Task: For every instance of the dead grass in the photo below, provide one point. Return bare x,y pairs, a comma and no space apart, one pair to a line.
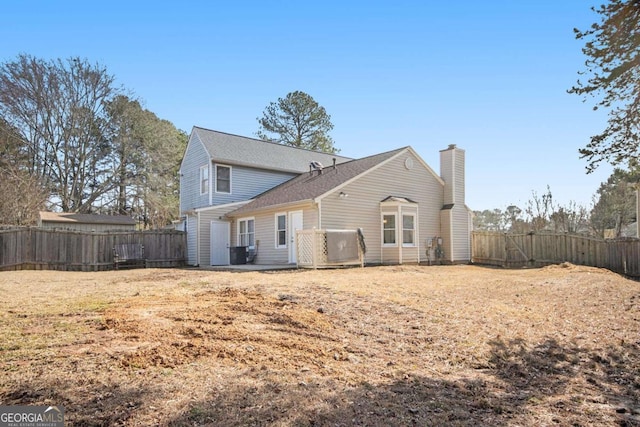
380,346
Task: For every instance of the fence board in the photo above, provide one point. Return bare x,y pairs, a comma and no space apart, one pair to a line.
37,248
544,248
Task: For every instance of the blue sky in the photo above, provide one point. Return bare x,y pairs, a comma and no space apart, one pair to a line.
488,76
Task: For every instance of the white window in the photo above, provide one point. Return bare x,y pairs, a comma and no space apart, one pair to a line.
389,230
223,179
281,230
246,232
204,179
408,230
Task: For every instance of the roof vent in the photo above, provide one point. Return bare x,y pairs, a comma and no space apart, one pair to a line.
316,166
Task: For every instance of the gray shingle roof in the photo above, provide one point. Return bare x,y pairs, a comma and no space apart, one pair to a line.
308,186
240,150
86,218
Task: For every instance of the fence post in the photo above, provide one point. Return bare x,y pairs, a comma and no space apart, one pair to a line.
506,250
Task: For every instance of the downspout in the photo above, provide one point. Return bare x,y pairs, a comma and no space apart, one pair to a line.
381,231
399,233
198,241
417,237
454,191
211,183
451,233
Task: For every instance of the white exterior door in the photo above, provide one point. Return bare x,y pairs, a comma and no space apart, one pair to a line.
295,223
220,234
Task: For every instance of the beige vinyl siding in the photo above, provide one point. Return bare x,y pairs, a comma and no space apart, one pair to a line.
390,255
460,214
447,170
456,234
361,209
459,168
452,167
265,232
461,234
446,220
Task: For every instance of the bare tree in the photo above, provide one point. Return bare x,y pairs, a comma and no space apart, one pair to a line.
58,107
23,195
539,209
571,218
91,147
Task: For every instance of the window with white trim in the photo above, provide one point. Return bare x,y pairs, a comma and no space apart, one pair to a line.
408,230
246,232
204,179
281,230
389,229
223,179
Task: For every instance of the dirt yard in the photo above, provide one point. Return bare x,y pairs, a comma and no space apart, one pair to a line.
379,346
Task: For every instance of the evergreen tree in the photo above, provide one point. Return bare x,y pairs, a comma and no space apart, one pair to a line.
612,77
297,120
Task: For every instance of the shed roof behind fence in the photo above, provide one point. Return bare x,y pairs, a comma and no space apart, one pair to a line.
76,218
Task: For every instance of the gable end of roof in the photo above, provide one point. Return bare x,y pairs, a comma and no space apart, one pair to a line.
313,186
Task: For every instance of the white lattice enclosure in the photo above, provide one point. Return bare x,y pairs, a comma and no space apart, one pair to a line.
313,251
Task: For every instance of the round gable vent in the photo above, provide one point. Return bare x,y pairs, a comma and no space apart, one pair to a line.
408,163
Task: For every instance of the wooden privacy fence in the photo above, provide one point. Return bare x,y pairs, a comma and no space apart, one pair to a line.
41,249
543,248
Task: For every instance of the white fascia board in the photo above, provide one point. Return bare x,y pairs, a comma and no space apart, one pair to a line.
226,205
282,206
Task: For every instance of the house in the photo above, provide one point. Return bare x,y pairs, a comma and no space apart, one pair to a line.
86,222
237,191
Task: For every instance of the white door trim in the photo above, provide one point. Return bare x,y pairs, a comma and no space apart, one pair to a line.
296,222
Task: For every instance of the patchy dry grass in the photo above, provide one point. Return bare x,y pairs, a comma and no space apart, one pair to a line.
379,346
